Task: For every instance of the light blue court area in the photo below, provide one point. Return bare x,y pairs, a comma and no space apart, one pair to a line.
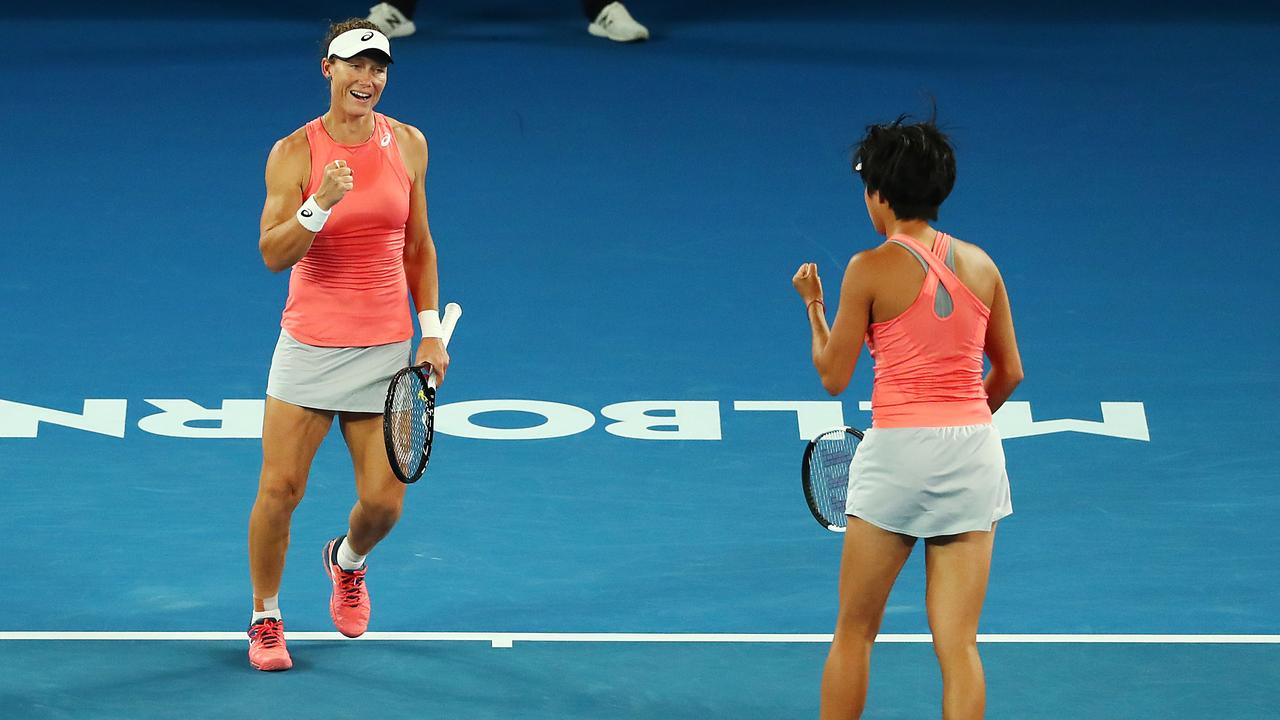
622,424
117,679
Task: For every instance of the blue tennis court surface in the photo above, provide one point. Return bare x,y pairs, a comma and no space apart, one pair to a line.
631,381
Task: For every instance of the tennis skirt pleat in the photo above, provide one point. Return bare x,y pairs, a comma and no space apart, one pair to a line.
343,379
930,481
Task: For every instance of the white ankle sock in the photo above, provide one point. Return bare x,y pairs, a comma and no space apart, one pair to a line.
270,609
347,558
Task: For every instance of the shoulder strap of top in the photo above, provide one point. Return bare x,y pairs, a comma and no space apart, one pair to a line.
317,139
945,249
943,274
914,253
930,287
315,131
390,146
943,304
946,274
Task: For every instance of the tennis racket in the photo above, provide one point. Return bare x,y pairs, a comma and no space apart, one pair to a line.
408,415
824,472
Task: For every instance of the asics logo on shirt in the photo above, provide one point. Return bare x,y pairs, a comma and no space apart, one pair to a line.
386,139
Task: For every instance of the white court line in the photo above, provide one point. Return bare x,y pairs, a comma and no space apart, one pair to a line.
505,640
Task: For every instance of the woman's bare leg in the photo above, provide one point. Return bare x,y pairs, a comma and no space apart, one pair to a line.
290,437
957,567
872,559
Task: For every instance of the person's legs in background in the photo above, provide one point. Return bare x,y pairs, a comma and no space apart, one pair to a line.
610,19
607,19
395,18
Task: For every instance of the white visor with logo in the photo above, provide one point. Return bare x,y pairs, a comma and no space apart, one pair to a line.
353,42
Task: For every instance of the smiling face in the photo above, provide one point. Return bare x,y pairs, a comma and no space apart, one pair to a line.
355,84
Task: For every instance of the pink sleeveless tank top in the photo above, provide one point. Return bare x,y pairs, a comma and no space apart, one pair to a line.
928,367
349,290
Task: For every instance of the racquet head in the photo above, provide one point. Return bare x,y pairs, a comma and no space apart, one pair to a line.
409,412
408,423
824,472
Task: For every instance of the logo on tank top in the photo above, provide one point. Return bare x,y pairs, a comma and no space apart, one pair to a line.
386,139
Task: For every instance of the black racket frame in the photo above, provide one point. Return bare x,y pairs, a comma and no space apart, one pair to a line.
805,483
423,372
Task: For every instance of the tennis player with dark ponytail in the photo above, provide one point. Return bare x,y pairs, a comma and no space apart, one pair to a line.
929,307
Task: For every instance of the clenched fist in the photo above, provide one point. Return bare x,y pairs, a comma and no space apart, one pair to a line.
338,180
807,283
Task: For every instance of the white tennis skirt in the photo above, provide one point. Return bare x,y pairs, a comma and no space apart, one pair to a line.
342,379
930,481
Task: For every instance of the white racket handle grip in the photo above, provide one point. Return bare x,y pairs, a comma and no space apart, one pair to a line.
448,322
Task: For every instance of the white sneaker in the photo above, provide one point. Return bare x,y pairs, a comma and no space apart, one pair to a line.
392,22
615,23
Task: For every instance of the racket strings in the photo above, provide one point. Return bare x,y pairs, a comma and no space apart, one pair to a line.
829,473
408,421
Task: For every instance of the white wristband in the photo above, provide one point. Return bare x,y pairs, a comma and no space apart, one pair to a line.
430,322
310,216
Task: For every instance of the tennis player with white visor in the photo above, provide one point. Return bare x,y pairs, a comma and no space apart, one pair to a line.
346,211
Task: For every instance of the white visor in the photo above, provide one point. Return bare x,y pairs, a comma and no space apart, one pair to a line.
353,42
